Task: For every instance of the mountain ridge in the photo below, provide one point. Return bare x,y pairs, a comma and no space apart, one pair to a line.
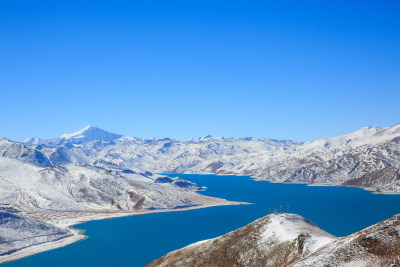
340,160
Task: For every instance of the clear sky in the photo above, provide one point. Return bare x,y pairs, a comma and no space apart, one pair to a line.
298,70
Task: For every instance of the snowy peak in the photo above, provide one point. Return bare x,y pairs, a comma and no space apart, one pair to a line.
359,136
364,132
393,131
78,133
90,133
382,135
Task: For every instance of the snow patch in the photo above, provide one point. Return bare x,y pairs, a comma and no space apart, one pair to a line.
288,227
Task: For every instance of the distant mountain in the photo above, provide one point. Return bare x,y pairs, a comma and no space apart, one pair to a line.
366,158
15,150
361,135
371,162
292,240
88,134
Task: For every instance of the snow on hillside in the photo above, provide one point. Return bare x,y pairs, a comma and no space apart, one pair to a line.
72,193
377,245
15,150
17,233
361,135
292,240
274,240
287,227
84,187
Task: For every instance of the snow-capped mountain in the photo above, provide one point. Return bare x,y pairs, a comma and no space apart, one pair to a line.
15,150
90,133
94,174
291,240
366,158
87,134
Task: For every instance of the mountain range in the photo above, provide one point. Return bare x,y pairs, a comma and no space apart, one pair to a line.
368,158
93,174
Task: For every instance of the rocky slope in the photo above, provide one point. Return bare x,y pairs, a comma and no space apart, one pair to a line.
291,240
377,245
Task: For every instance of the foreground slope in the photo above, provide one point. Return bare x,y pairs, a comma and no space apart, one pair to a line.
377,245
291,240
274,240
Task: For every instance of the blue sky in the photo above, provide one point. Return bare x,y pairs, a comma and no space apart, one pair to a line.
298,70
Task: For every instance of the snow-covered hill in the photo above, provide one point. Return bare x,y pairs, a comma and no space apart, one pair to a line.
292,240
84,187
17,233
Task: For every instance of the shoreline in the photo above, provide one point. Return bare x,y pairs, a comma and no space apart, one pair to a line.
39,248
372,190
78,234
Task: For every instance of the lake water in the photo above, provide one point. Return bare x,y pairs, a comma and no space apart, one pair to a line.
137,240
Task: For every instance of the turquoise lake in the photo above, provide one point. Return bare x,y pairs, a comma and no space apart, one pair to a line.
137,240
